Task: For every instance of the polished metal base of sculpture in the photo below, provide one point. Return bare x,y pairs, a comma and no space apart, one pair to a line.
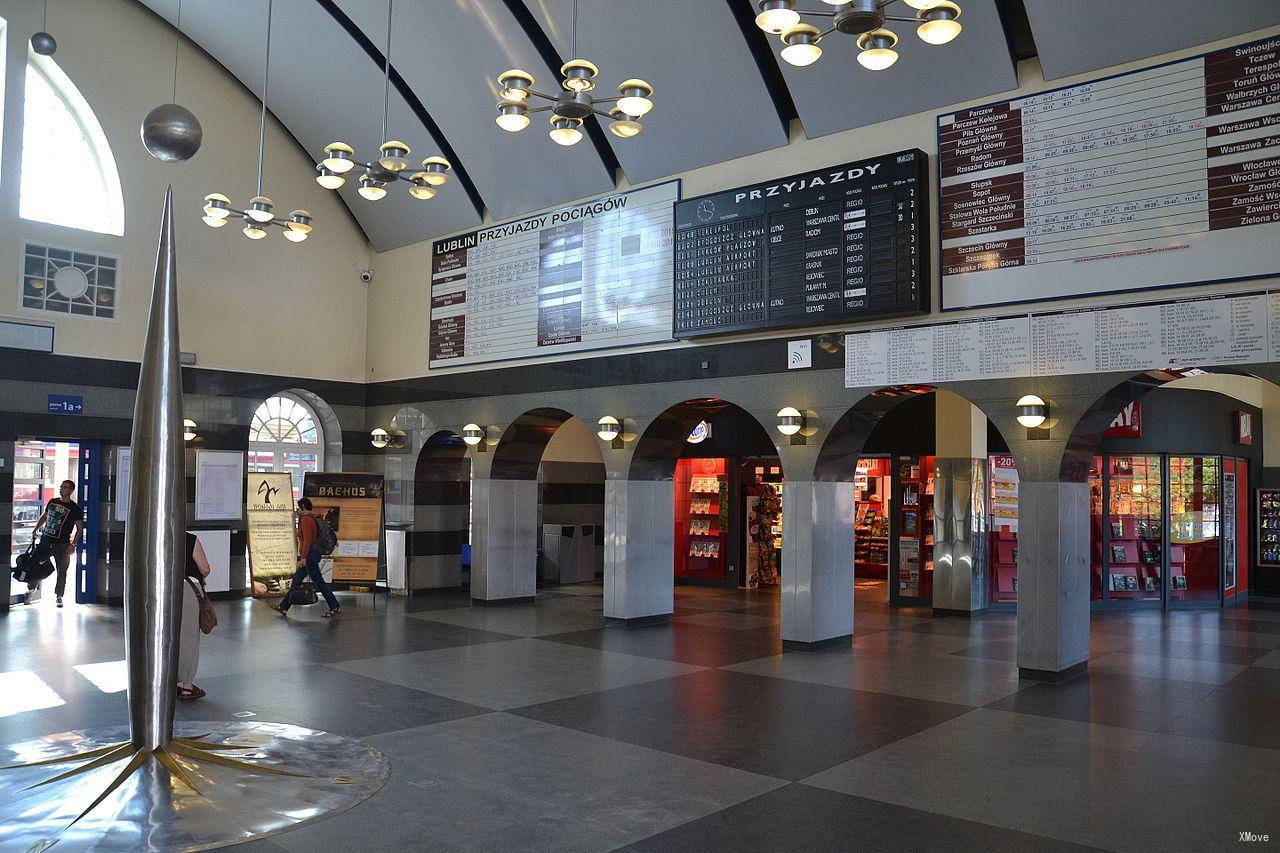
216,784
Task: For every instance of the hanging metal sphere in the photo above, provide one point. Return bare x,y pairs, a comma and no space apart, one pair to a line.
44,44
171,133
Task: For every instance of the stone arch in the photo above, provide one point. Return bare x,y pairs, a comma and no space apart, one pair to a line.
441,513
662,442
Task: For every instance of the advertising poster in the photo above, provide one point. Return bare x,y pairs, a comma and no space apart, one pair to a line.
273,546
352,505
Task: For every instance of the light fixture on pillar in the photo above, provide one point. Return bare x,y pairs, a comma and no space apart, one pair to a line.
575,104
790,423
936,24
609,429
1032,412
379,437
473,435
392,164
260,214
188,429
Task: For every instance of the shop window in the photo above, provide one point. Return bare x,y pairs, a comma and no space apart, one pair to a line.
285,435
1002,551
64,281
68,175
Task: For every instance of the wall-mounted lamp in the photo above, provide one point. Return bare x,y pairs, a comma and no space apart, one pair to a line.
609,429
379,438
790,421
1031,411
473,434
188,429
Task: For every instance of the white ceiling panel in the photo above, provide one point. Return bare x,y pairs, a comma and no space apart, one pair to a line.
1085,35
450,54
319,106
711,103
836,93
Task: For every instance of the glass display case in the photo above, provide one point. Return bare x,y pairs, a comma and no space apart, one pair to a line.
913,572
701,519
871,518
1135,529
1002,547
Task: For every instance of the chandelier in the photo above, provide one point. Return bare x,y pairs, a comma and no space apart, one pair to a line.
393,161
575,104
260,215
936,23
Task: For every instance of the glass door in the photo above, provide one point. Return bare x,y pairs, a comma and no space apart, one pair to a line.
1134,532
1195,528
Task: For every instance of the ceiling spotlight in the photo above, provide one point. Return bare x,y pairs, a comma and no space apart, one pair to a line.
298,226
513,116
253,230
421,190
935,21
328,178
395,156
579,75
565,130
938,25
777,16
217,206
260,208
623,125
801,45
571,107
875,50
339,158
371,188
435,171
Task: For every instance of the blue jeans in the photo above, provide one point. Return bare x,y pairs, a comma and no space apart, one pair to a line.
311,567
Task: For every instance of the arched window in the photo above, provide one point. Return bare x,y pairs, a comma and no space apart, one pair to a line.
69,177
285,436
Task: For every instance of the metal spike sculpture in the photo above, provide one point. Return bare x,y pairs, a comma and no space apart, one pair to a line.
155,563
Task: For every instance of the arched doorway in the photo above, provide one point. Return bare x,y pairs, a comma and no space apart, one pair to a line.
509,552
285,434
934,502
438,551
1172,460
704,509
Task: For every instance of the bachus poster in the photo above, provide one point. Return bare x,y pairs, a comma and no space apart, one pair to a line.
273,548
352,505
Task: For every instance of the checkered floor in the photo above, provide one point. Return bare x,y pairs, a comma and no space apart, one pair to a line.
534,728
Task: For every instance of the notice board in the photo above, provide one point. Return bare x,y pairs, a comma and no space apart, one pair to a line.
1163,177
273,544
352,504
589,276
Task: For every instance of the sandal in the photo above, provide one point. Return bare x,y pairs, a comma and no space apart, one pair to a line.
192,692
328,614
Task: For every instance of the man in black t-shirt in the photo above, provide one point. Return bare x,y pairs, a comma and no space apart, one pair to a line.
61,525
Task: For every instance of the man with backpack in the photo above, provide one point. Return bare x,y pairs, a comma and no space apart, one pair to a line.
316,539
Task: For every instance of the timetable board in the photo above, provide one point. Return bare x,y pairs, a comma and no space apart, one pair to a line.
589,276
1178,335
1163,177
829,246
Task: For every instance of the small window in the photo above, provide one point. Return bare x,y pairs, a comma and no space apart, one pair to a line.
65,281
69,177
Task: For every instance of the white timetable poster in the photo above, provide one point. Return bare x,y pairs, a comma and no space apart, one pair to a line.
1211,331
590,276
1156,178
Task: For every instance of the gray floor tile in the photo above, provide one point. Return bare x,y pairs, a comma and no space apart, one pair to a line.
514,673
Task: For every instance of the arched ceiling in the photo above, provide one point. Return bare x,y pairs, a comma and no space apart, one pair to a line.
720,90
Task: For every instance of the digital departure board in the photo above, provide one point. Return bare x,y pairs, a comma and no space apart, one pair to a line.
589,276
1162,177
829,246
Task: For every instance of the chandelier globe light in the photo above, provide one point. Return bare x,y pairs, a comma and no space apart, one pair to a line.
575,104
393,163
260,214
936,21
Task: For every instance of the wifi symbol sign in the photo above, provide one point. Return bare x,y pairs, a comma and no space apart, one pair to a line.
799,354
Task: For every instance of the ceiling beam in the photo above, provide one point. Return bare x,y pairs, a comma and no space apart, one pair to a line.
766,61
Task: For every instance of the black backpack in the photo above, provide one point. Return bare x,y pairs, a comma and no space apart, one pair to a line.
326,539
34,565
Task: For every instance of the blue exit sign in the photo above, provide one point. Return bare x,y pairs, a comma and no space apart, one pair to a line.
60,404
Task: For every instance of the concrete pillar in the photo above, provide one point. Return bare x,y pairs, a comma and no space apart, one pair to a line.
504,541
1053,579
959,506
639,551
817,564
